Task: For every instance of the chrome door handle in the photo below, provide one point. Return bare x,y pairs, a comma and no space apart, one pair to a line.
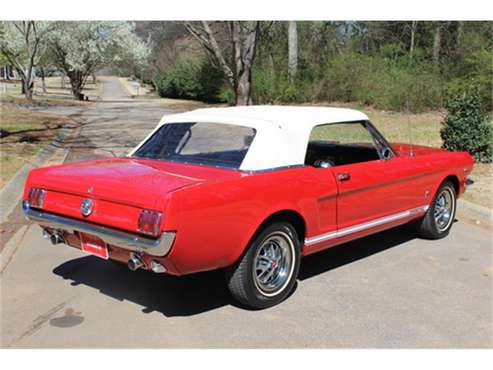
345,176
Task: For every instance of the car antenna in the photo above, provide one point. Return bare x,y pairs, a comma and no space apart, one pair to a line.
410,131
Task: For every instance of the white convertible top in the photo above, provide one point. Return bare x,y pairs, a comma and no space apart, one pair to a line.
282,132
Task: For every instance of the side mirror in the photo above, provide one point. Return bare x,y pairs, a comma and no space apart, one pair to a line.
386,154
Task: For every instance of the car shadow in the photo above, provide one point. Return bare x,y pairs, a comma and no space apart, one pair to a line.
202,292
169,295
347,253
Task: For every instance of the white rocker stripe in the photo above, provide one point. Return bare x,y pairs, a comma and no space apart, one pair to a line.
364,226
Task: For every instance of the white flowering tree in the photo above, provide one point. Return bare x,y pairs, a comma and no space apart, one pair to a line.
80,48
21,45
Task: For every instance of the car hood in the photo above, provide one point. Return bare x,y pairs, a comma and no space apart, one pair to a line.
138,182
403,149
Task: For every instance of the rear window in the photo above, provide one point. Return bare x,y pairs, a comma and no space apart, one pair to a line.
210,144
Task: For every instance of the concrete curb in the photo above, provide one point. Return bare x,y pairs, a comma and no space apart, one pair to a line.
11,193
474,211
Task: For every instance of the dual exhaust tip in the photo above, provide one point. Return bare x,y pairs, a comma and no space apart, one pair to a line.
54,237
136,262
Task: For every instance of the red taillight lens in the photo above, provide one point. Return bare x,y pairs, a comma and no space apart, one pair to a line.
149,222
36,197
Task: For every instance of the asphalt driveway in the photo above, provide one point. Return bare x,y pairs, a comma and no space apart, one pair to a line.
389,290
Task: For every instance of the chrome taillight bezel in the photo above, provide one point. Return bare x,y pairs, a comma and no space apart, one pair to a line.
149,222
36,197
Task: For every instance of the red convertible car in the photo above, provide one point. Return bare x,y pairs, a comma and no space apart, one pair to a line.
249,190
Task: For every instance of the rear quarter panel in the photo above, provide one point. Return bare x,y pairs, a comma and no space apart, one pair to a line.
215,221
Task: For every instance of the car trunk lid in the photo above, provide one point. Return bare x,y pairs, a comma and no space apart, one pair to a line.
119,187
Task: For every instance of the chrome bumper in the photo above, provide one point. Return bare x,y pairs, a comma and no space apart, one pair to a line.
154,247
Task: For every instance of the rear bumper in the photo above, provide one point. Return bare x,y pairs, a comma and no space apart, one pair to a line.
154,247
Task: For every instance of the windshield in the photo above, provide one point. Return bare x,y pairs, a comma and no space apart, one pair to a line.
210,144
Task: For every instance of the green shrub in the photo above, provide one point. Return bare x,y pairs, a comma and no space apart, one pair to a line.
227,95
264,89
466,126
211,80
188,80
389,84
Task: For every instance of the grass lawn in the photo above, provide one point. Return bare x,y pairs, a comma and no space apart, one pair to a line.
23,134
55,94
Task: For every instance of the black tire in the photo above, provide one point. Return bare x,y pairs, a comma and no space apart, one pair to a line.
428,227
243,279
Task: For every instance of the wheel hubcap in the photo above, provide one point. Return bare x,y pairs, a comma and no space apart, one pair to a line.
444,209
273,263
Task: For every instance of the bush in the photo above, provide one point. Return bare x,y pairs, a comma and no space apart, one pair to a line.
188,80
389,84
227,95
466,126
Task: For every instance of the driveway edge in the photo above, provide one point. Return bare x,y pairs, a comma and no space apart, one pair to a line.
475,212
11,193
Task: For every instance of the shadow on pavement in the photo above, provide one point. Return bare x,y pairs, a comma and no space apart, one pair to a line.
169,295
197,293
347,253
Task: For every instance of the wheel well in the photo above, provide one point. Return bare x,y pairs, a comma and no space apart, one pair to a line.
294,218
455,181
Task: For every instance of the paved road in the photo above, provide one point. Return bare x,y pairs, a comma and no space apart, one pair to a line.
385,291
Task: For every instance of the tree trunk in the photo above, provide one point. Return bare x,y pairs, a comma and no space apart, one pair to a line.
437,40
76,82
411,46
292,50
243,88
460,33
43,82
27,89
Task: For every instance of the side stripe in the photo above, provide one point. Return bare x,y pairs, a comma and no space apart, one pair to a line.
364,226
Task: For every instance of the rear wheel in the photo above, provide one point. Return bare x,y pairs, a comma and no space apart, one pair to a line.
267,272
440,216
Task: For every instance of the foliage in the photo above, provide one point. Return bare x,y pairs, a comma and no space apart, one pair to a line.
80,48
466,126
188,80
372,62
22,44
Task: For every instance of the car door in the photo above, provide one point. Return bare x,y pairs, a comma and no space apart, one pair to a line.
374,186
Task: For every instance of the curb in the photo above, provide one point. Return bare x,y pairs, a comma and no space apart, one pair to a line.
11,193
479,214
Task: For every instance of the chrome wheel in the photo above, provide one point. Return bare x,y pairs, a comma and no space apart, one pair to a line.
273,263
444,209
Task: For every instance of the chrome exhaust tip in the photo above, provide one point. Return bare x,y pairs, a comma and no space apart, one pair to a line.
157,267
55,238
46,234
135,262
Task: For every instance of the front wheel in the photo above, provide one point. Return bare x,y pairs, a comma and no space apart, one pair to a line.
267,272
439,218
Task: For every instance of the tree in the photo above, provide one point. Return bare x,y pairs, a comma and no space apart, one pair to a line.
22,43
80,48
460,34
437,42
413,36
234,55
292,50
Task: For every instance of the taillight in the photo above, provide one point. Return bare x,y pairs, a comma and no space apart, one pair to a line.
149,222
36,197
